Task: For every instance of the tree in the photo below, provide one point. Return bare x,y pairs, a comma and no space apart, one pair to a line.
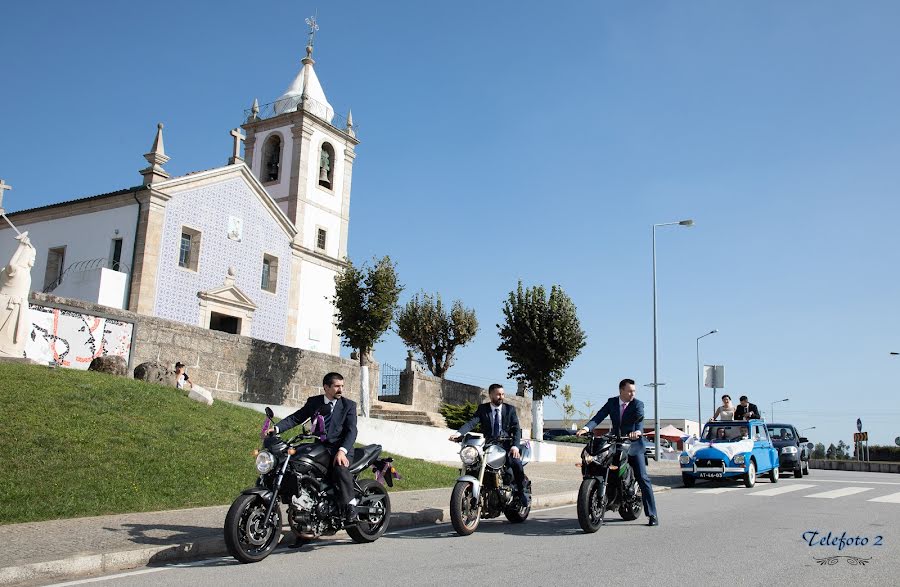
831,453
365,299
819,451
566,407
541,336
425,326
843,450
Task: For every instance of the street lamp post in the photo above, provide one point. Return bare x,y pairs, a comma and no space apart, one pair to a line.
655,346
699,416
809,428
773,406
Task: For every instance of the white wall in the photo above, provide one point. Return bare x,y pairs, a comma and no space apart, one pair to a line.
85,236
315,218
316,309
100,285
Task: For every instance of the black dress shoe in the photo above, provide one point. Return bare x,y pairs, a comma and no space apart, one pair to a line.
653,521
351,518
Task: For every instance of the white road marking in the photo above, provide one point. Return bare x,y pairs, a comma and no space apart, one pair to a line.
843,492
892,498
780,490
719,490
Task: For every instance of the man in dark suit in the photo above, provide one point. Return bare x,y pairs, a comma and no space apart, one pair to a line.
746,410
339,416
497,419
626,414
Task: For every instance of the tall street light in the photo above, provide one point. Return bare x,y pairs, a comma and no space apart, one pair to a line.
773,406
809,428
655,351
699,417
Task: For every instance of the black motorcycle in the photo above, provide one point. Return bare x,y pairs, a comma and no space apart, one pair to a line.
289,472
609,482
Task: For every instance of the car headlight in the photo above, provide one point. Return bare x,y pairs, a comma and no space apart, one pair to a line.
469,455
265,462
739,459
789,450
685,459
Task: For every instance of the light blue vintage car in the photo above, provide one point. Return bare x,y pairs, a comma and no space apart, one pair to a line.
730,449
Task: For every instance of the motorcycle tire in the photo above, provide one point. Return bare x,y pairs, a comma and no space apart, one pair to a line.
517,515
247,538
371,526
465,513
591,506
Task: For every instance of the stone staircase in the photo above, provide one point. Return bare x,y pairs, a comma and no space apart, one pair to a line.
405,414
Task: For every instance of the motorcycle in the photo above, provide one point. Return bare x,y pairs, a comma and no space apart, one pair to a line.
609,482
289,472
486,488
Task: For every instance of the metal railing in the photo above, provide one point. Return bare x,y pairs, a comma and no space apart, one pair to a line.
89,265
293,103
390,380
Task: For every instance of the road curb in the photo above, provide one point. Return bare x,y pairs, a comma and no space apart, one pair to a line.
97,564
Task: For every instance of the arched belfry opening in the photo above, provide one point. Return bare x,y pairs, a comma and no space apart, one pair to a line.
271,161
326,166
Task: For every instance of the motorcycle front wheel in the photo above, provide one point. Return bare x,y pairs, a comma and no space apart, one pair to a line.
465,512
371,525
591,505
248,536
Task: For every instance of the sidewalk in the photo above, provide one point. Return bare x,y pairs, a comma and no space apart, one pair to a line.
63,549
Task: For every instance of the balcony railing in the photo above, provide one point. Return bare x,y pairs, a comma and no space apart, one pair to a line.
293,103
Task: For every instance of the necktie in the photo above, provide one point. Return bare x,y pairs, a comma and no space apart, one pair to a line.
326,413
496,422
622,412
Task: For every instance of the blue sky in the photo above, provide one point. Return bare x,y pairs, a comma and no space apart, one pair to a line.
516,140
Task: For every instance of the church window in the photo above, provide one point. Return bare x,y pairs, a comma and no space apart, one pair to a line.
271,161
224,323
269,273
55,266
326,166
189,249
115,259
321,237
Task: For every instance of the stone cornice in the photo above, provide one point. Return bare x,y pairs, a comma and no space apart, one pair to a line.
296,118
316,257
75,207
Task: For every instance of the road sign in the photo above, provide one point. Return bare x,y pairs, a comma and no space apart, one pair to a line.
714,376
860,436
897,441
859,425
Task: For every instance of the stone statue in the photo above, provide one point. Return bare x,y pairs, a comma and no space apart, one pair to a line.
15,285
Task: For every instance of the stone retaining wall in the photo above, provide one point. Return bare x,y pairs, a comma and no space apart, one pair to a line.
232,367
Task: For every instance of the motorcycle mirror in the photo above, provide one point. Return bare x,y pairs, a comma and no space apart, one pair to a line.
269,412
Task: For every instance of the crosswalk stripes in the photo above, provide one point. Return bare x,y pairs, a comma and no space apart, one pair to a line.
843,492
892,498
719,490
781,490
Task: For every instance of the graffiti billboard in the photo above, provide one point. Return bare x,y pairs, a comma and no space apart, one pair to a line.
73,339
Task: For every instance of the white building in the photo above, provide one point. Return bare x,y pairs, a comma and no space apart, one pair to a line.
250,248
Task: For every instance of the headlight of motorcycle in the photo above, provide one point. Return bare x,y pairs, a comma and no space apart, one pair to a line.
265,462
685,459
789,450
469,455
739,460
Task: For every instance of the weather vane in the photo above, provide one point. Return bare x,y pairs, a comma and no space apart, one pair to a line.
313,27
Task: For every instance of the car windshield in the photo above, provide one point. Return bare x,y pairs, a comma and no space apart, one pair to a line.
781,433
725,432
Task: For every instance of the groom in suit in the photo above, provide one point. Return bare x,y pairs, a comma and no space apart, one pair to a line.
626,414
339,415
496,419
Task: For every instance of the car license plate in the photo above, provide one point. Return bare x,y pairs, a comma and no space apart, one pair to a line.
713,475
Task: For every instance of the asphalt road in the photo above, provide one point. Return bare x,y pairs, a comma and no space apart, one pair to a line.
719,533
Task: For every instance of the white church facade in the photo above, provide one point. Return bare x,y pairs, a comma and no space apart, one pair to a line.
249,248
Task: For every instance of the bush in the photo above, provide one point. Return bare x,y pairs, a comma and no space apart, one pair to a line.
457,415
883,453
575,439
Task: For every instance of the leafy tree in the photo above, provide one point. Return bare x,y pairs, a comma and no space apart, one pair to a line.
588,411
831,453
425,326
819,451
457,415
365,299
541,336
843,450
566,406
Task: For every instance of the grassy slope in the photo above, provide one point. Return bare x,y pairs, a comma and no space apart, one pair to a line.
75,443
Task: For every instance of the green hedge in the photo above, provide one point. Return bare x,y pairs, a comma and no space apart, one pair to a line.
457,415
884,453
575,439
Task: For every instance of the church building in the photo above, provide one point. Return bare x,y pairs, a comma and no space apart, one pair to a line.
249,248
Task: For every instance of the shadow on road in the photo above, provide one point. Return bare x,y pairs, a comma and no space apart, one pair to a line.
550,527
